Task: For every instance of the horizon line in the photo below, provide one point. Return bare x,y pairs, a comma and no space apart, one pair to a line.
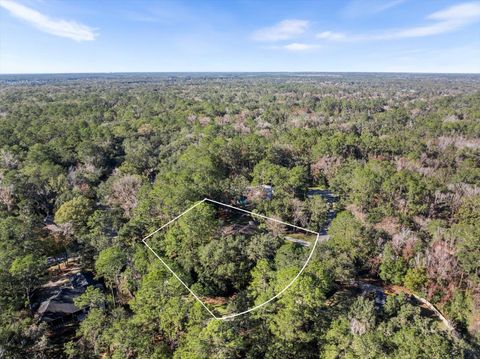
236,72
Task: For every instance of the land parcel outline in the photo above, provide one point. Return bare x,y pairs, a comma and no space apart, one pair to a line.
253,214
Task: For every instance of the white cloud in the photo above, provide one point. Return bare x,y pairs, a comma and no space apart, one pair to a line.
446,20
362,8
58,27
284,30
296,47
331,35
387,5
462,12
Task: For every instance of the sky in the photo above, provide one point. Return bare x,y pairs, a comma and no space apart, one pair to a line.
50,36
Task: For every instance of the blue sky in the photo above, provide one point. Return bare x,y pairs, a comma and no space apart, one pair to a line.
41,36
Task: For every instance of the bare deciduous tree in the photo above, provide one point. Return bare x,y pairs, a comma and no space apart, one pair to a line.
441,262
6,196
299,214
325,166
8,160
274,227
124,193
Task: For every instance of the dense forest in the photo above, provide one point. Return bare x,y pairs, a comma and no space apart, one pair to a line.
91,164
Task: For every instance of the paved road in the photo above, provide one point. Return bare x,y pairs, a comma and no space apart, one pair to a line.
306,243
298,241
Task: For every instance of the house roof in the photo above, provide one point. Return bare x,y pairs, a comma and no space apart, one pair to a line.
61,301
82,279
60,304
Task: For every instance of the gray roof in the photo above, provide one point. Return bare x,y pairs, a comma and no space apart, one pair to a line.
60,304
61,300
